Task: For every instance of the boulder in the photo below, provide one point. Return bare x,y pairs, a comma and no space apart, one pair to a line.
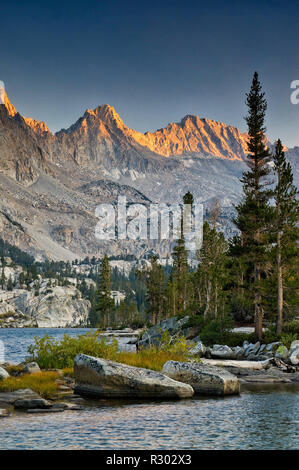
239,352
220,351
204,379
101,378
31,368
198,350
256,347
29,403
249,349
294,357
282,352
4,413
3,373
272,346
294,346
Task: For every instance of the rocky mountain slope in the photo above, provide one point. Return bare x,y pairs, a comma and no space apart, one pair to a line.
50,184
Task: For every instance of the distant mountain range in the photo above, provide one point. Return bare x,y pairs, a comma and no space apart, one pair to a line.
50,183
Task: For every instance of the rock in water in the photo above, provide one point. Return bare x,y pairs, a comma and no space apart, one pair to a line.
101,378
205,380
27,403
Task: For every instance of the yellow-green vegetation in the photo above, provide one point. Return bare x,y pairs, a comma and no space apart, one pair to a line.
151,358
68,372
14,369
51,354
43,383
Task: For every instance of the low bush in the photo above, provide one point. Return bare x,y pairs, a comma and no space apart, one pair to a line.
51,354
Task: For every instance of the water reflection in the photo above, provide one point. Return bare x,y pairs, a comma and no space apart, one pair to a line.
251,421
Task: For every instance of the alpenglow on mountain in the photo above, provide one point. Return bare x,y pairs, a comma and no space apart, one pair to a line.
51,183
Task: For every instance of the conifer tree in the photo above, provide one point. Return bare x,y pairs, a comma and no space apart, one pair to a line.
211,272
105,303
154,279
285,226
3,278
253,213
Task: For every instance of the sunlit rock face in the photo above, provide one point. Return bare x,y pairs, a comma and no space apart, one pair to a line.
56,307
50,184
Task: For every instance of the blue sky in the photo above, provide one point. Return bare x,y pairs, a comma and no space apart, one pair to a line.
153,61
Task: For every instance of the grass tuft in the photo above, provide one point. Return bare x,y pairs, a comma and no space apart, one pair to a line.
43,383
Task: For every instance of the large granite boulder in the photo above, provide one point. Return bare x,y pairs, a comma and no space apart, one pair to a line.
204,379
100,378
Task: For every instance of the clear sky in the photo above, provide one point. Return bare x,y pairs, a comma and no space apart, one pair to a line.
154,61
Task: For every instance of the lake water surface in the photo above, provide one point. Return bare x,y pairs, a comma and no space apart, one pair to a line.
257,419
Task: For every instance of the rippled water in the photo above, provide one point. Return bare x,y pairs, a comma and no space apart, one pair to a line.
262,420
256,419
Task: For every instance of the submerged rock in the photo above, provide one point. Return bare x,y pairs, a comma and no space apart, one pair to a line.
31,403
12,397
4,413
204,379
101,378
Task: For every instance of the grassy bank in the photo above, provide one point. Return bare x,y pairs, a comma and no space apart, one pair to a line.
44,383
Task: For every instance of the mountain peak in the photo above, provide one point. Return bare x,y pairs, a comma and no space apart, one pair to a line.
105,113
9,106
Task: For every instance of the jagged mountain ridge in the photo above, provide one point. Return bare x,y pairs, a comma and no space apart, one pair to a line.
51,183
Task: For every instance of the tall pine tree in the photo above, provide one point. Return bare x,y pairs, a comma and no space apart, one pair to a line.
253,213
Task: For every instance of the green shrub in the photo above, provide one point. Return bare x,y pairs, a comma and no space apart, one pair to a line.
216,331
51,354
291,327
233,339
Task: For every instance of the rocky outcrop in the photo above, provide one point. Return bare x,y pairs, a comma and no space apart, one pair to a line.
52,307
173,326
9,398
204,379
100,378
